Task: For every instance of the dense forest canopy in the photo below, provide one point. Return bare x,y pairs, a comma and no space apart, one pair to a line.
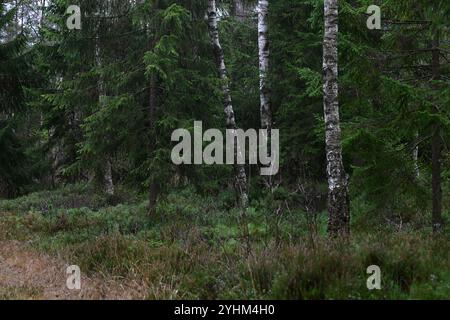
363,114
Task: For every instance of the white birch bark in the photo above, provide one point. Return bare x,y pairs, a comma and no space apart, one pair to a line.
240,175
263,45
264,89
338,201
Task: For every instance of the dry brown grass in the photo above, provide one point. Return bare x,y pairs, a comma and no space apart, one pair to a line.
28,274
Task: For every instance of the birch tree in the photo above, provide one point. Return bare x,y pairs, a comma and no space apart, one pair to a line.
239,170
338,201
263,49
263,45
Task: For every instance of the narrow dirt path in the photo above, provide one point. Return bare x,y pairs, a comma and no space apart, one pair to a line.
28,274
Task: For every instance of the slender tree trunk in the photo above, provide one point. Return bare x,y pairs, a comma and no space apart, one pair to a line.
263,45
239,170
436,150
338,200
152,106
264,89
108,182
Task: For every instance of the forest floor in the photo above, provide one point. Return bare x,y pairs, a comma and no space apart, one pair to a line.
26,273
199,247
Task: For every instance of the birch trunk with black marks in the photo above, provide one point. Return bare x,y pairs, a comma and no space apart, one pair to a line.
263,45
338,200
436,150
239,170
264,89
108,182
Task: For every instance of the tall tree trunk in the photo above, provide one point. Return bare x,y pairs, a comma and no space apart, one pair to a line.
436,150
108,182
263,45
264,90
338,200
152,106
239,170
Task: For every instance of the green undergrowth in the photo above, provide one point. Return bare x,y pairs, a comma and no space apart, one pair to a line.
196,247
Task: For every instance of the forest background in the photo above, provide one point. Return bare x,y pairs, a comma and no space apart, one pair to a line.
86,118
